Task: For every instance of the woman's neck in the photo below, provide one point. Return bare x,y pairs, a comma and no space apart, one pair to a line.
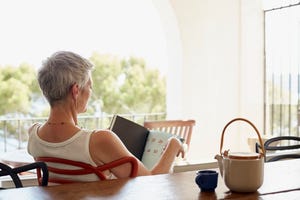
60,114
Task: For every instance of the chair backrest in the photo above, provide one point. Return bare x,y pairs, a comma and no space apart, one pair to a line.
84,168
281,143
181,128
41,168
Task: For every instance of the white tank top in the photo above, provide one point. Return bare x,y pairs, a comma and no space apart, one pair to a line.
75,148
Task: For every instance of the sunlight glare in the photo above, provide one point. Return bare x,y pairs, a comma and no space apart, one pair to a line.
34,29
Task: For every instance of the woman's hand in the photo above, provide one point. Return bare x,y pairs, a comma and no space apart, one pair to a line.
177,146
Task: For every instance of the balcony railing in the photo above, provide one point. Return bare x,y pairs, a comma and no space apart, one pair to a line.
14,132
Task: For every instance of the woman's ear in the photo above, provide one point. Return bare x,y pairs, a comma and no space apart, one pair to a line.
75,91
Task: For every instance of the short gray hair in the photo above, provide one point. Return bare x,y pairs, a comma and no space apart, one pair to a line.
60,71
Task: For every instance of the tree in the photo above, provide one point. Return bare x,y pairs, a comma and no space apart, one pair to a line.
120,86
126,86
143,89
16,88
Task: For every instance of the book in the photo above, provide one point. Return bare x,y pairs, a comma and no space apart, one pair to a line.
132,134
146,145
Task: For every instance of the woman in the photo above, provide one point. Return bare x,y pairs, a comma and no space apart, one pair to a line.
65,80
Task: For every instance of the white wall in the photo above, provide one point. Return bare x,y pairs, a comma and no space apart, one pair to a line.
215,51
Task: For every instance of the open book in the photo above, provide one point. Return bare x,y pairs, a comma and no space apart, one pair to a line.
133,135
146,145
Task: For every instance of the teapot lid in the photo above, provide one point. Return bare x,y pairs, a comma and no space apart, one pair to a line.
243,155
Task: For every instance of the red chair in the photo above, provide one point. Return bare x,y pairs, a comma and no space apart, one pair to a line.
83,168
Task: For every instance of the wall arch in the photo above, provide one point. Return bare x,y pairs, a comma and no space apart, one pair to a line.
174,56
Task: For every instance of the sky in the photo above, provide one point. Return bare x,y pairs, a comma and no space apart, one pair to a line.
32,30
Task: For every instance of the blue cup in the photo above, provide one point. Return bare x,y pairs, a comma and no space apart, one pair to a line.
207,180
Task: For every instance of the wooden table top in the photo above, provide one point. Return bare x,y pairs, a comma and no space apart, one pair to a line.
282,181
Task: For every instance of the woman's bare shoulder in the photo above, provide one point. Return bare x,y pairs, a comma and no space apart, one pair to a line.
102,133
104,136
33,126
106,146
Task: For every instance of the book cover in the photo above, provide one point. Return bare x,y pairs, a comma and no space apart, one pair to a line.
132,134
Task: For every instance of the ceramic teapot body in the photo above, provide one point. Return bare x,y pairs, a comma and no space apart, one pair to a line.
243,175
242,172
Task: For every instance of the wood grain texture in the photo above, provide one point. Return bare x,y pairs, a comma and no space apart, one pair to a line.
281,180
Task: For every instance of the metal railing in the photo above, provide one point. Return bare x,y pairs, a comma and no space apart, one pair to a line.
282,98
283,120
14,131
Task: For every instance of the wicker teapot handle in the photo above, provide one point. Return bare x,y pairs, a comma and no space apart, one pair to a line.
242,119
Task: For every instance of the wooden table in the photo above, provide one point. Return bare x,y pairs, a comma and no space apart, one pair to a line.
281,181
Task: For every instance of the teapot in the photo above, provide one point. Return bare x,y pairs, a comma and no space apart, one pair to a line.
241,171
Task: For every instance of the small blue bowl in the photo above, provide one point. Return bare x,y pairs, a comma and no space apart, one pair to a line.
207,180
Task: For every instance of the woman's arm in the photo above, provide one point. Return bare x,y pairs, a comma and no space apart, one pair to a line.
105,147
172,150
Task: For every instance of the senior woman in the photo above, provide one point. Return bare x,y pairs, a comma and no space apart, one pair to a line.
65,80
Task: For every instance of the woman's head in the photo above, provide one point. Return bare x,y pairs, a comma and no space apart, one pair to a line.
60,72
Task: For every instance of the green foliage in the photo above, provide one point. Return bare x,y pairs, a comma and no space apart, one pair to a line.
16,88
127,86
120,86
